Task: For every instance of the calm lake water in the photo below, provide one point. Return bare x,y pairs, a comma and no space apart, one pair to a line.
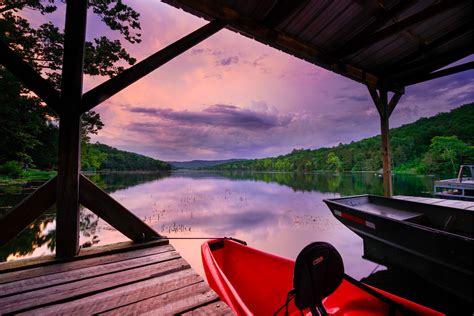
275,212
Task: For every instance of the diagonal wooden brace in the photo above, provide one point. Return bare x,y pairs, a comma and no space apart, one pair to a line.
29,76
112,86
113,212
27,211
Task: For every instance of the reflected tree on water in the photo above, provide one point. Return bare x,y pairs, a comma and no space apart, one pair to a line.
31,238
42,232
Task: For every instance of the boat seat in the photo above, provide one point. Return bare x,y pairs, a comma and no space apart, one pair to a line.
318,272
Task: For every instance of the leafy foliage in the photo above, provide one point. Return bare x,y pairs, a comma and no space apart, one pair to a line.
28,127
12,169
436,144
114,159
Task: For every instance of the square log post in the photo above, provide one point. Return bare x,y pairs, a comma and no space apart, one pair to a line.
69,163
385,109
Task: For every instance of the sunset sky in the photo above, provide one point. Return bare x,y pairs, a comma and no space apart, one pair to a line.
232,97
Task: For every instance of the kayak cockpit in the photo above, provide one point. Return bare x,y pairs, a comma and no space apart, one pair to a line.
253,282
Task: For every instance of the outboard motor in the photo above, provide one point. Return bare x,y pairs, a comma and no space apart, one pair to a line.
319,271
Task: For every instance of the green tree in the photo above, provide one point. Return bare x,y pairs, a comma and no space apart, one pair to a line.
445,153
333,162
28,128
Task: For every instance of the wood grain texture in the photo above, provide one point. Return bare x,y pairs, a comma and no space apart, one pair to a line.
170,303
216,308
113,279
85,272
74,290
98,251
124,295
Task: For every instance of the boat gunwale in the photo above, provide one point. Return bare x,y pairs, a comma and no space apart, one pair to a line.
334,201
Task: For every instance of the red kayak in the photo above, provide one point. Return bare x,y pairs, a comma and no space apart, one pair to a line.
253,282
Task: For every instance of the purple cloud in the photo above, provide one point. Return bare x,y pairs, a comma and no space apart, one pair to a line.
229,61
227,116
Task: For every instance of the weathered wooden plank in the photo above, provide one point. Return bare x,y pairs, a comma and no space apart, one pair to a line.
85,272
171,303
87,253
29,77
69,160
217,308
74,290
113,212
122,296
27,211
78,264
116,84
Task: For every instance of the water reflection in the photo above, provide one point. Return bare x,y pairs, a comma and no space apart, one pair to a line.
275,212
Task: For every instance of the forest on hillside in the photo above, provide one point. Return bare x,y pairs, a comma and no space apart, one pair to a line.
103,157
438,144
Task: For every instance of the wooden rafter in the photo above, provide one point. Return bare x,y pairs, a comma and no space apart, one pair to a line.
281,11
27,211
382,17
278,39
40,86
427,49
441,73
425,66
143,68
360,42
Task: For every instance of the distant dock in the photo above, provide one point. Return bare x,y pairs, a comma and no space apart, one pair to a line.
123,278
461,188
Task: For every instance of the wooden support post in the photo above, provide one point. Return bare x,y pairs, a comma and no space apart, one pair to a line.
385,109
113,212
27,211
67,220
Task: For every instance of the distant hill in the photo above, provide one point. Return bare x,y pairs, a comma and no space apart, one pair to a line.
197,164
114,159
436,144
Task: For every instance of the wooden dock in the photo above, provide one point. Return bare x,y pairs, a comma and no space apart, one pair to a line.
464,205
124,278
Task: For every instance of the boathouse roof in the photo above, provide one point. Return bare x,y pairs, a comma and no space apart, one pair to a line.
378,43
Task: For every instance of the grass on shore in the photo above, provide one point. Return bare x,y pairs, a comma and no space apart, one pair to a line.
28,175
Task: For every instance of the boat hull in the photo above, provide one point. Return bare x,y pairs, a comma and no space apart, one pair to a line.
400,240
253,282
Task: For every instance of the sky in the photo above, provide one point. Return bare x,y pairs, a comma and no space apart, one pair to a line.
232,97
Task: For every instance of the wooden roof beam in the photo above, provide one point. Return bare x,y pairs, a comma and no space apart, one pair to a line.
282,10
422,67
33,80
426,49
107,89
381,18
360,42
441,73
